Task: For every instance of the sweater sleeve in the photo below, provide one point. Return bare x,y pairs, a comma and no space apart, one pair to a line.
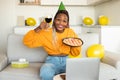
75,51
32,39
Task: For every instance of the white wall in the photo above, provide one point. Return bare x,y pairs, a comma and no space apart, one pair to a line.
9,10
110,35
75,12
110,9
7,20
110,38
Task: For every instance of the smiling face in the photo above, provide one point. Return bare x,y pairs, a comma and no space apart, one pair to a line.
61,21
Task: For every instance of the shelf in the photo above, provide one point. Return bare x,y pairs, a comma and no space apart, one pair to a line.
97,2
25,29
66,2
29,3
35,2
91,26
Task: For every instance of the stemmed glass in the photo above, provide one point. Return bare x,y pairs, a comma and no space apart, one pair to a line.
48,20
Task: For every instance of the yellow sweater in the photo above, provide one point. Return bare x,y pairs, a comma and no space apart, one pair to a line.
44,38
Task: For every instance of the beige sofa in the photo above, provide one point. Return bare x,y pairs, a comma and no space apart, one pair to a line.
109,68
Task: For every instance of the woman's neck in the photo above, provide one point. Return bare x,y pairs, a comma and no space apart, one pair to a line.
60,31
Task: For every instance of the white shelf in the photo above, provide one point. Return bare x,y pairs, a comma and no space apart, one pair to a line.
66,2
78,29
29,3
35,2
23,30
96,2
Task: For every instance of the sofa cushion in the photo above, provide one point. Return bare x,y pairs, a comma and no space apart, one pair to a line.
3,61
107,72
16,50
29,73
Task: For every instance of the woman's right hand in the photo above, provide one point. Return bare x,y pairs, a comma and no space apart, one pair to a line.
43,25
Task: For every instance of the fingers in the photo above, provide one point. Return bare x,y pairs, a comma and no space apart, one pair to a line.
44,25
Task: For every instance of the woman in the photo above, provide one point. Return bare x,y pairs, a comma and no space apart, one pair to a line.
51,41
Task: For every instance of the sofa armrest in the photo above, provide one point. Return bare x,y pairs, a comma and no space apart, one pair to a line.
3,61
112,59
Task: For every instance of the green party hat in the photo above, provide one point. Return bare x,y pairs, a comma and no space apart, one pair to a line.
61,6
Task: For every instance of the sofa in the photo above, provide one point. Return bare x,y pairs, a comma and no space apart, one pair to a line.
109,66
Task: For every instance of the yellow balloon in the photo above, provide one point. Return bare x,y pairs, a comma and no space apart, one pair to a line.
103,20
88,21
96,50
30,21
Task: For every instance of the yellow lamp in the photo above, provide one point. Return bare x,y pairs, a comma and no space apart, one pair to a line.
87,21
103,20
30,21
95,50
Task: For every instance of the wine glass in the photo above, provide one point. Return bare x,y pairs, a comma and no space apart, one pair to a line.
48,20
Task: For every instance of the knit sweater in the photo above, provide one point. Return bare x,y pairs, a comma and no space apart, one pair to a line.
44,38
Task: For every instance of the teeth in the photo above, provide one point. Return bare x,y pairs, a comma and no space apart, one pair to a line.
61,26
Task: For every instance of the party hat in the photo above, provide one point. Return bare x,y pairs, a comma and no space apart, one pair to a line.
61,6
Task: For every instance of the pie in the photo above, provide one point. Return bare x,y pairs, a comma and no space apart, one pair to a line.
72,41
